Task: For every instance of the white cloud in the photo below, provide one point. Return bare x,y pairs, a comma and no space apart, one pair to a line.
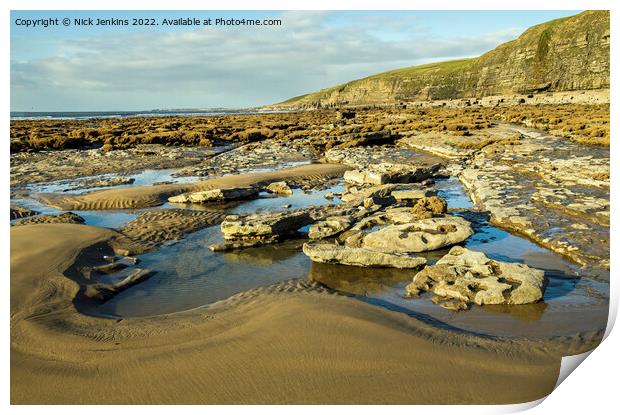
234,67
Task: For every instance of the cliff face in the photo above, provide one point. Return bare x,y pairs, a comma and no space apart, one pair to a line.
561,55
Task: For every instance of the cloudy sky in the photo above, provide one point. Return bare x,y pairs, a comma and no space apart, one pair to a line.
103,68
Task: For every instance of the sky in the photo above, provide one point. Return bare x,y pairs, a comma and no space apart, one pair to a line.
115,68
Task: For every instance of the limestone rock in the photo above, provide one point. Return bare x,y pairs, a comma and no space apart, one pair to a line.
412,193
383,173
351,238
464,276
264,226
104,291
424,208
330,227
386,194
216,195
357,196
419,236
335,254
279,188
101,182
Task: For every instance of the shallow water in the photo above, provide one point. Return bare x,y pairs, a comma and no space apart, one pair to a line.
189,275
106,219
143,178
103,218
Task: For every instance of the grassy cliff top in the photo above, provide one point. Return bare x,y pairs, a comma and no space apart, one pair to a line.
451,74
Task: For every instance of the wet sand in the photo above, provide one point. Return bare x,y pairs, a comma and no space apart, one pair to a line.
295,341
287,343
148,196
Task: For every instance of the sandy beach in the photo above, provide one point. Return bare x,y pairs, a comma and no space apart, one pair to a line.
431,234
292,340
280,344
296,339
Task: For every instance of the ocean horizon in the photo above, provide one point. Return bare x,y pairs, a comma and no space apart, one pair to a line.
81,115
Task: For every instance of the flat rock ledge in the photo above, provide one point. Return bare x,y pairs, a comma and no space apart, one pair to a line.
103,291
113,277
335,254
216,195
385,194
419,236
103,182
383,173
331,226
259,229
463,277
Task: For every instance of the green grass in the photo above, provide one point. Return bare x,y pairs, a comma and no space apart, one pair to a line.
457,78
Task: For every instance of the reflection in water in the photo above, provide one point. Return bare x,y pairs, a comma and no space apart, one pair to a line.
266,255
190,275
143,178
103,218
527,312
359,280
106,219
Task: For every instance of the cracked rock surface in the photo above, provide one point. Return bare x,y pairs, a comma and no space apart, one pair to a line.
463,277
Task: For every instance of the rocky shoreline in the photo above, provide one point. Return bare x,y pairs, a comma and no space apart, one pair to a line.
383,214
547,188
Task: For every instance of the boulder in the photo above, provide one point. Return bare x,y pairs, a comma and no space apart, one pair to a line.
463,277
427,207
419,236
424,208
279,188
331,226
335,254
216,195
265,226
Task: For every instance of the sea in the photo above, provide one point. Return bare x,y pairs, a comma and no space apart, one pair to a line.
85,115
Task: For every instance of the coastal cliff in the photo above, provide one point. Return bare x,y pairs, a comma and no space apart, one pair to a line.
565,54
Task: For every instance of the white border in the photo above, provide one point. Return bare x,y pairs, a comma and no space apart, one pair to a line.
591,389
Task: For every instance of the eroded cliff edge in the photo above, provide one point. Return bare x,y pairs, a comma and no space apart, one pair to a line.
565,54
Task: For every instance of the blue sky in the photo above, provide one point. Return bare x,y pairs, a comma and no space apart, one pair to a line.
101,68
